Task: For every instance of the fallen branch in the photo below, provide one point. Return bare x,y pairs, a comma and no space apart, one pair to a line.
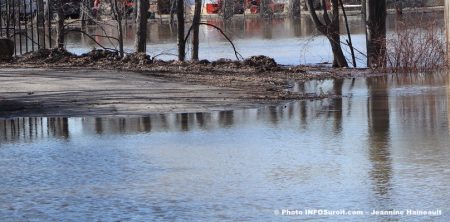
92,38
236,53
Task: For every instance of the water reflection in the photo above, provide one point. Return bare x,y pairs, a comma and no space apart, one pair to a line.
379,147
382,145
411,106
291,38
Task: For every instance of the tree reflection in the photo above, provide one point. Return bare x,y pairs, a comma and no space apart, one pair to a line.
30,129
337,105
378,126
226,118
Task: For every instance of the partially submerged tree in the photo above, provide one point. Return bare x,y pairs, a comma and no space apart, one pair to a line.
265,11
375,15
294,9
59,24
86,12
118,10
330,28
227,9
140,42
195,29
40,13
180,35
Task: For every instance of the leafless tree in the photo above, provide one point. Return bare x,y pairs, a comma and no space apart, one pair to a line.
294,8
118,10
40,13
376,33
265,11
180,31
86,12
59,24
227,9
140,42
330,28
196,25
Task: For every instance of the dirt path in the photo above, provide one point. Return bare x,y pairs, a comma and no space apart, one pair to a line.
77,92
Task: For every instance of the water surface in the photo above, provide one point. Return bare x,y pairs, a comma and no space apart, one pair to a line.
384,145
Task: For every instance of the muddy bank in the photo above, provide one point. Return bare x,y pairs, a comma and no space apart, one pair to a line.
58,83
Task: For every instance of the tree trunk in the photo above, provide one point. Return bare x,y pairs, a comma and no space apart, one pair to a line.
376,33
227,9
40,13
136,11
195,29
330,28
173,6
86,12
265,11
180,23
117,13
447,31
339,58
59,25
140,42
294,8
363,9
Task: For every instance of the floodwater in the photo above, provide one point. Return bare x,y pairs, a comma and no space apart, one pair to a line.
289,42
383,146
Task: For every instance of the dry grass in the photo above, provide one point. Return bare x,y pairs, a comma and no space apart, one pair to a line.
416,45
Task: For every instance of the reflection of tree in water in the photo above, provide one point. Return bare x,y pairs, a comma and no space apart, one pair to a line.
203,119
99,125
29,129
147,124
267,29
122,125
183,120
226,118
58,127
296,26
378,125
336,105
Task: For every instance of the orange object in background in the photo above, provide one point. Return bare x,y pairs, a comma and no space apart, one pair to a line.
212,8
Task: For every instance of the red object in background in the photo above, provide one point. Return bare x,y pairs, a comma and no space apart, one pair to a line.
254,9
127,3
277,7
212,8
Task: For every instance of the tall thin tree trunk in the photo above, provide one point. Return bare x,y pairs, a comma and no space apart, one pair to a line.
86,12
447,36
228,9
40,13
195,29
59,25
140,42
173,6
180,22
376,33
363,9
265,11
338,55
135,11
330,28
294,9
118,16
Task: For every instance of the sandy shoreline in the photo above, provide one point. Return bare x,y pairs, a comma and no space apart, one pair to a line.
88,92
54,83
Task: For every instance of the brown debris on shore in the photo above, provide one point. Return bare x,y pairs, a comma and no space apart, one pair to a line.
259,74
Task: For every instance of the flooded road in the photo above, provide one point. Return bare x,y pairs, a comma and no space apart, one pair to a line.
383,146
289,42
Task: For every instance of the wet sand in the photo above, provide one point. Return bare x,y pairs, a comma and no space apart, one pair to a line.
89,92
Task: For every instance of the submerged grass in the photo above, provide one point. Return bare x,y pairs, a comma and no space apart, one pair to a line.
416,45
